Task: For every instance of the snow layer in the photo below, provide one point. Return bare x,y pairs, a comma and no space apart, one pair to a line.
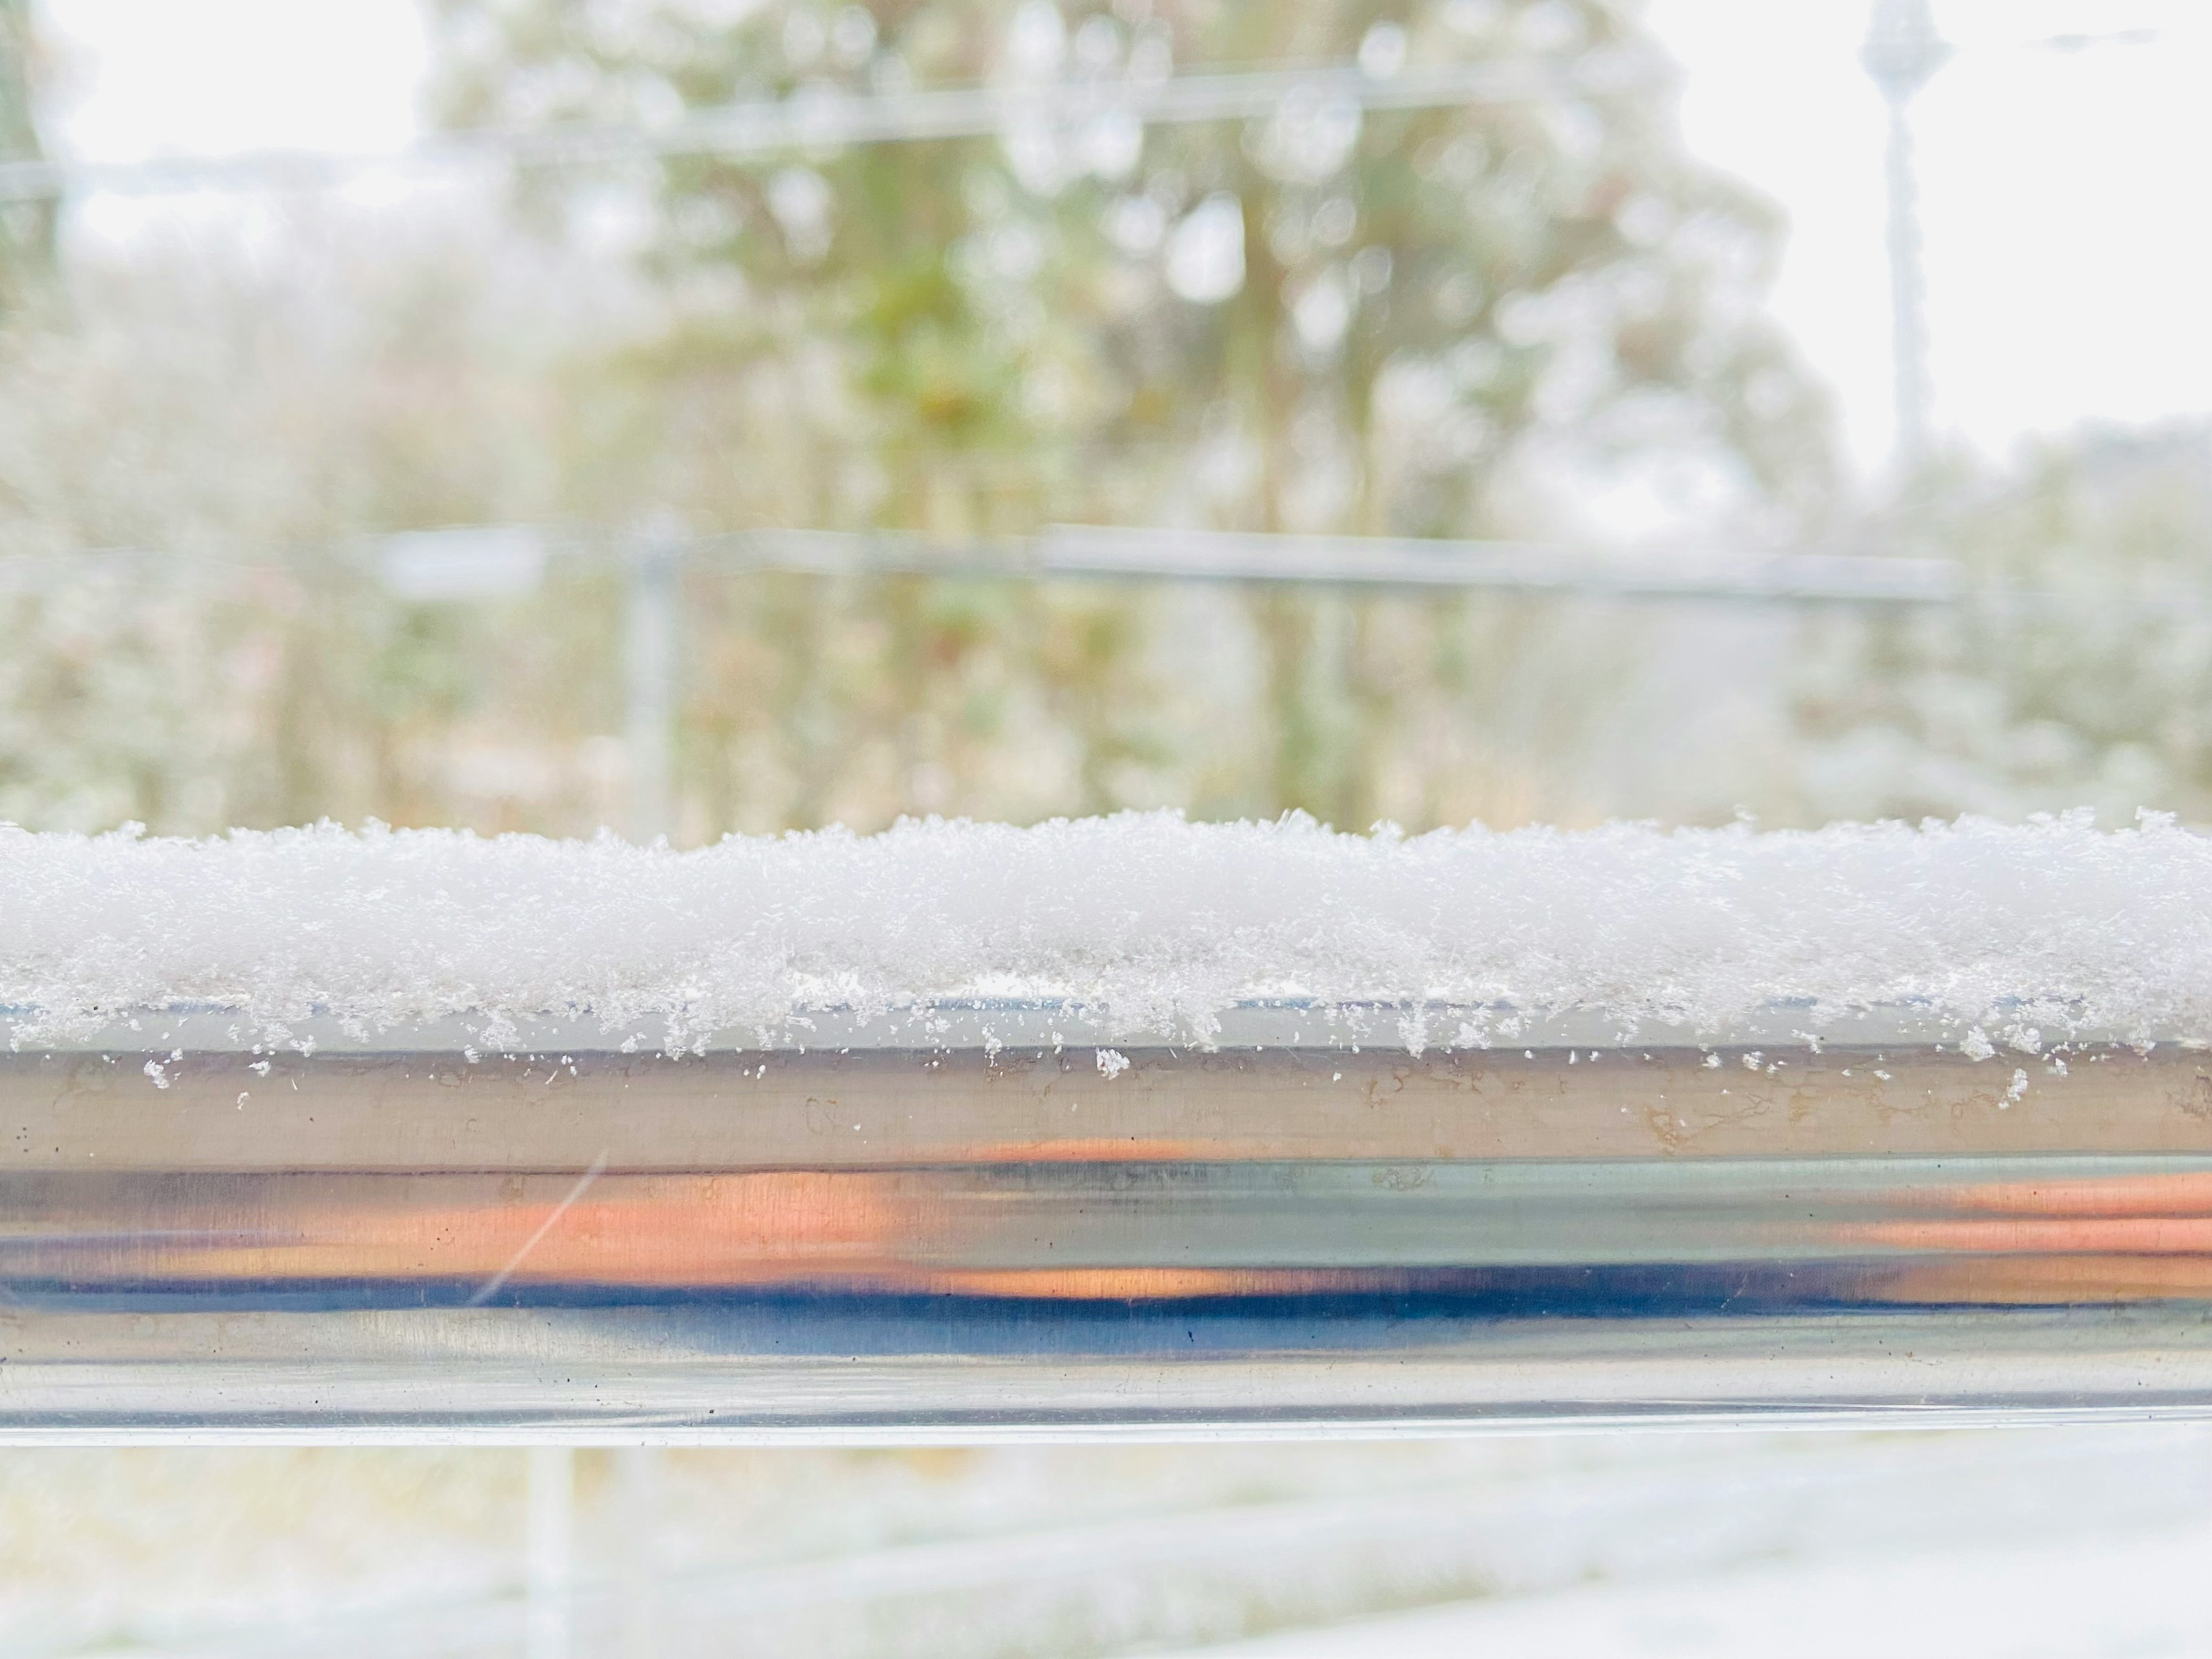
1139,927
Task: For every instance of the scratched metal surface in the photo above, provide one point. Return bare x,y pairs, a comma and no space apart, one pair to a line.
901,1245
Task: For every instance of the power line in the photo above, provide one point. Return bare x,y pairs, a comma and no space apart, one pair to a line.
823,117
2080,41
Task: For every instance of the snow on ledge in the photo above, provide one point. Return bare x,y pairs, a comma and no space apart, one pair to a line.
1141,927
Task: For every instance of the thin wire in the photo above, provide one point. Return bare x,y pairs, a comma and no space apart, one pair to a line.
825,118
2073,42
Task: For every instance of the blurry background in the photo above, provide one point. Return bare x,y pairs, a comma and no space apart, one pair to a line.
552,415
1607,279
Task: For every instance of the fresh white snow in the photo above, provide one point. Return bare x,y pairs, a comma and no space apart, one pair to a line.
1133,928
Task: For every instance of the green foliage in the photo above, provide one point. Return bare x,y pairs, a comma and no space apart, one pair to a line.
1412,315
27,228
1556,262
2090,681
1462,321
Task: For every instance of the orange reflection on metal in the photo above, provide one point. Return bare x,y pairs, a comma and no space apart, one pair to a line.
1144,1284
684,1230
2152,1235
2189,1194
2117,1238
2050,1280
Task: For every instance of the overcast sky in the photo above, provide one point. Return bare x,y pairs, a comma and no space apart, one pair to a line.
2063,191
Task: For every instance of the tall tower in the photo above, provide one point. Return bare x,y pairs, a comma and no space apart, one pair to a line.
1902,52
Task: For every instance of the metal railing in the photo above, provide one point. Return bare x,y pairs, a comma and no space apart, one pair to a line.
483,561
864,1242
1414,564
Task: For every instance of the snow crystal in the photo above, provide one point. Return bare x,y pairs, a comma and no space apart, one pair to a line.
1142,927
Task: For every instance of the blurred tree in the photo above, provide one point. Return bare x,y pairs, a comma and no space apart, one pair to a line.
2086,679
193,457
27,228
1461,321
1488,319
